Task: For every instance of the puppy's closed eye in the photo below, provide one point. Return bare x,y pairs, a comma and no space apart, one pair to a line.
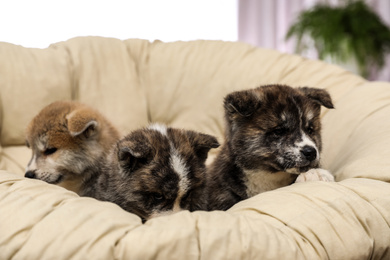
50,151
279,131
157,197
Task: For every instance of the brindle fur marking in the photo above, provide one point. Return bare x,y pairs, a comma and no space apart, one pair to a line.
157,171
268,131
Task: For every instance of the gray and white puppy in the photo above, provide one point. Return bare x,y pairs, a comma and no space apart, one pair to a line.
272,135
156,171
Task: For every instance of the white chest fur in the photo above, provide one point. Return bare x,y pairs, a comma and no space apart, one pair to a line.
260,181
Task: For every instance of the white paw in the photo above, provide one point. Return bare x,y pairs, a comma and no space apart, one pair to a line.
315,175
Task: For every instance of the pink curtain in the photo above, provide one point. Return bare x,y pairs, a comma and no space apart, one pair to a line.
264,23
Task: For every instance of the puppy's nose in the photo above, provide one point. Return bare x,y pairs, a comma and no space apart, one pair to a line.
309,152
30,174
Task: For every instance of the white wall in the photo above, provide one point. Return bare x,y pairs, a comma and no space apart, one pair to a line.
38,23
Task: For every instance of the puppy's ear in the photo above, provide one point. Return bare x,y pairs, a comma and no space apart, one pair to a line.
133,152
320,96
82,122
243,103
202,143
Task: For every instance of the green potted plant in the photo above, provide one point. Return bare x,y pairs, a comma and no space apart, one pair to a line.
350,32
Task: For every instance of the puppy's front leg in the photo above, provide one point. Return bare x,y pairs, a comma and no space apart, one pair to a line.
317,174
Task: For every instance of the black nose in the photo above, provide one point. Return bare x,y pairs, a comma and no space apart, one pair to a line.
309,152
30,174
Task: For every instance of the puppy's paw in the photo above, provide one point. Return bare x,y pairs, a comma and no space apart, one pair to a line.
317,174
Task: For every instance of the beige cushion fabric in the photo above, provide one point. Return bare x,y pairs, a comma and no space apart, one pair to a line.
183,84
105,76
29,79
357,136
346,220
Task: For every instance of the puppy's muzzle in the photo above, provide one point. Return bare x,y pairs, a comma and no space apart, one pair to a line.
30,174
309,152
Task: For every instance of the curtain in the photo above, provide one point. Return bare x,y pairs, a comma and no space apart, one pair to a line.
264,23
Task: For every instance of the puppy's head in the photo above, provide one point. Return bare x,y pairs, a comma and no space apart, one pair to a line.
67,139
276,128
162,170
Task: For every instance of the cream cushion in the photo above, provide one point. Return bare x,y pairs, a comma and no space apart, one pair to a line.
134,82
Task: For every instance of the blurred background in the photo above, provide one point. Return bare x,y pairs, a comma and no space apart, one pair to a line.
351,33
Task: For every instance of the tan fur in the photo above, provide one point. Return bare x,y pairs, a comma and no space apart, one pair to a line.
260,181
81,137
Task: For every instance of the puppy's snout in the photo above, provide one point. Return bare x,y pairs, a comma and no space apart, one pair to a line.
30,174
309,152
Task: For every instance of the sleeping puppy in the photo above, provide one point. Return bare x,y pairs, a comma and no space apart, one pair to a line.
69,142
272,137
156,171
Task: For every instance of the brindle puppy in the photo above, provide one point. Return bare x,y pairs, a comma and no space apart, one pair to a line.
156,171
272,136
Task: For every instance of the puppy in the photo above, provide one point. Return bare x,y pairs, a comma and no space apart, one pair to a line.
156,171
272,136
69,142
